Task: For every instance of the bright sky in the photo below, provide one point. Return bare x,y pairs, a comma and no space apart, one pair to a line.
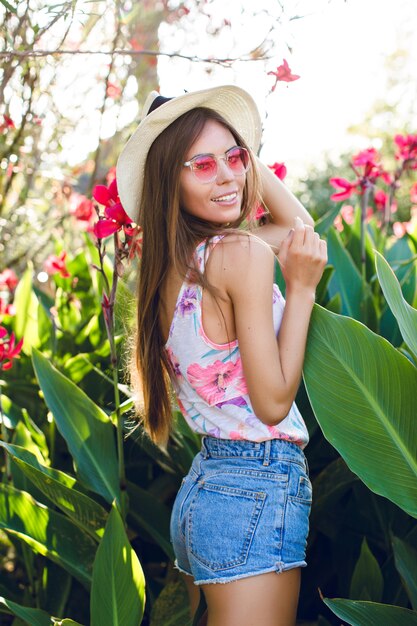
339,50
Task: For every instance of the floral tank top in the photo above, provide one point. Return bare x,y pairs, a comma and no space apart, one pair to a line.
208,378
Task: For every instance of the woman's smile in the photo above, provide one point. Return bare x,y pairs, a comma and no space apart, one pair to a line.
219,201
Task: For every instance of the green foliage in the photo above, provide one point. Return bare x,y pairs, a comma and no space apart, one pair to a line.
359,613
118,587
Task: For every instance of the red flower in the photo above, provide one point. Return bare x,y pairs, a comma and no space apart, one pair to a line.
347,188
6,309
407,149
8,349
115,218
56,265
283,73
279,170
7,123
134,237
260,212
380,199
366,157
84,210
113,91
8,279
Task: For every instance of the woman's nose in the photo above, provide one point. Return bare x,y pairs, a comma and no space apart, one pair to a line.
224,173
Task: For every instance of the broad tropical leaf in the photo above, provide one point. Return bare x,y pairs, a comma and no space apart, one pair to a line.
47,532
118,587
371,613
150,514
406,564
61,489
346,280
405,314
85,427
26,319
172,607
367,582
33,617
362,391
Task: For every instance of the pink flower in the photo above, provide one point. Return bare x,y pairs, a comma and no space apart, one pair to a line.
366,157
348,213
413,193
257,213
7,123
134,242
113,91
401,228
115,218
283,73
56,265
8,349
6,309
407,149
347,188
338,224
380,199
279,170
8,279
84,210
213,381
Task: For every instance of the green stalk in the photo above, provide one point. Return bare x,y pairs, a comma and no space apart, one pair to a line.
108,311
5,438
364,204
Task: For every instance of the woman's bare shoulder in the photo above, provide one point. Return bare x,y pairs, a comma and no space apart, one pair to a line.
243,246
238,260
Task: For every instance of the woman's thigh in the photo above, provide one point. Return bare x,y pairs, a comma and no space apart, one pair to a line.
268,599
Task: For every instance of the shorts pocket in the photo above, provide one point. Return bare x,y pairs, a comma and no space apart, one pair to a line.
304,490
222,523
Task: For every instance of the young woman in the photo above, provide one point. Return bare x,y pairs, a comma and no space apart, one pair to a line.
207,325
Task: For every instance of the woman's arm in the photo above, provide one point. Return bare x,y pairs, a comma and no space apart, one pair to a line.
283,208
272,367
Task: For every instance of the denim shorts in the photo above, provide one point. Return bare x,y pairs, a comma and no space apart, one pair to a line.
242,510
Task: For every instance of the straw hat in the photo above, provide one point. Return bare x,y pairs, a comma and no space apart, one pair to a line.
231,102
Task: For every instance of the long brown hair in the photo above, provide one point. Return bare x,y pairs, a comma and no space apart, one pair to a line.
170,235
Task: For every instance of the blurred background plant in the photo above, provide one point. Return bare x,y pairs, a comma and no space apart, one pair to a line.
81,484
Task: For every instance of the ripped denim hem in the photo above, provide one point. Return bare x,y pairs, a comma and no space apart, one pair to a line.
278,568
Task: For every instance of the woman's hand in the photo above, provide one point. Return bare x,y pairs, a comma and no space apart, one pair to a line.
302,257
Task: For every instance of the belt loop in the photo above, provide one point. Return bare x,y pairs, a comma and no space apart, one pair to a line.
204,450
267,452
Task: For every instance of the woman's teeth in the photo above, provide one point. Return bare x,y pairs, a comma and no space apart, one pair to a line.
228,198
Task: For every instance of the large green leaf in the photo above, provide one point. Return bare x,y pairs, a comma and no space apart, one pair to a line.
85,427
326,221
34,617
118,587
363,394
406,564
405,314
172,606
371,613
26,319
346,280
329,487
61,489
47,532
367,582
150,514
